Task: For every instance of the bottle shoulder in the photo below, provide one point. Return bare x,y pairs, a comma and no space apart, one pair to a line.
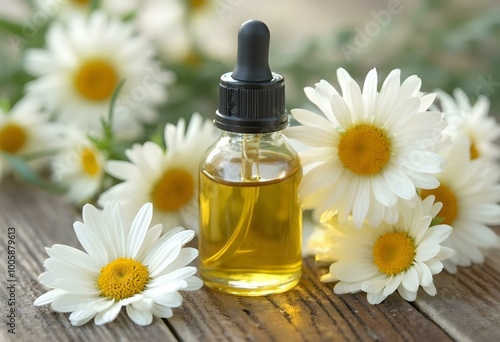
250,158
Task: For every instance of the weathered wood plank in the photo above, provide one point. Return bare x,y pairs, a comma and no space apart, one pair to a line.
309,312
465,309
42,219
468,303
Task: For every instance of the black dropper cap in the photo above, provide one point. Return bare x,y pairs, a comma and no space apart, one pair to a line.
252,98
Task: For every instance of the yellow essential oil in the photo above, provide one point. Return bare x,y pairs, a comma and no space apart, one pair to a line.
251,235
250,217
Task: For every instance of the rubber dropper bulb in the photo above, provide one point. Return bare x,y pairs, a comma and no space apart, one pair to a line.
253,53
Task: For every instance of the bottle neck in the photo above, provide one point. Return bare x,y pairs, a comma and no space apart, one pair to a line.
252,136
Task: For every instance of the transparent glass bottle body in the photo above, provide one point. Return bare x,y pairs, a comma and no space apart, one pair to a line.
250,218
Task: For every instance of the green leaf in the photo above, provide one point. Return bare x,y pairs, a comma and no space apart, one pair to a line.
113,101
27,174
40,154
437,220
11,27
106,142
94,4
5,104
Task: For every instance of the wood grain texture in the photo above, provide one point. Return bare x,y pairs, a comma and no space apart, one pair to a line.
466,308
42,219
309,312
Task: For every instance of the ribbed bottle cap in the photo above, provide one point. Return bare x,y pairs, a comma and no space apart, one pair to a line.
252,98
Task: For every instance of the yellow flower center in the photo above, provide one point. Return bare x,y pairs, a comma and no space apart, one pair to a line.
364,149
122,278
197,4
96,80
173,190
474,153
393,252
81,2
446,196
12,138
89,162
192,59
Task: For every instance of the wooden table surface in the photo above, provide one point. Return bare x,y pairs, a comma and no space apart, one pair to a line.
466,308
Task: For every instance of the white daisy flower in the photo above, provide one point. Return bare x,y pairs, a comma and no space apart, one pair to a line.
470,193
164,23
66,10
168,179
124,264
401,257
79,166
473,120
372,149
83,64
25,130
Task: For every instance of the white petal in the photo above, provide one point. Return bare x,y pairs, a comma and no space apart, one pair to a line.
166,251
193,283
83,318
173,299
426,101
311,136
407,295
131,300
341,111
387,97
400,120
162,311
434,265
370,90
108,315
91,243
427,250
48,297
308,118
118,231
438,233
90,310
410,87
321,176
320,96
71,302
445,253
375,298
343,287
144,305
344,78
383,193
186,255
165,288
425,274
361,204
177,274
393,284
86,288
353,271
400,183
139,317
139,229
411,280
152,235
122,169
430,289
76,257
354,101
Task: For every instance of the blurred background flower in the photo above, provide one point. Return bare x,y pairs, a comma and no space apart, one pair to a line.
447,43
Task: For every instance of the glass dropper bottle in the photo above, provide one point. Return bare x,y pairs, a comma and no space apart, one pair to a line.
250,218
